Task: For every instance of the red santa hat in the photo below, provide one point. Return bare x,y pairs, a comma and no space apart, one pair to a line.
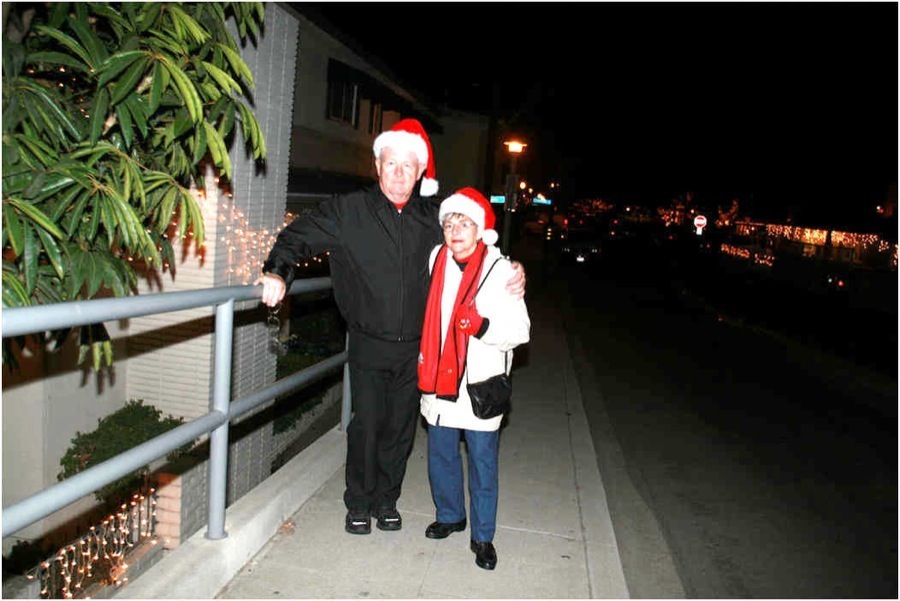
471,203
408,134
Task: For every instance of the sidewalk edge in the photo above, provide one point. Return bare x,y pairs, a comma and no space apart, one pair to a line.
604,564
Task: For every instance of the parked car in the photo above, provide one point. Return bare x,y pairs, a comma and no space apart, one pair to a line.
581,245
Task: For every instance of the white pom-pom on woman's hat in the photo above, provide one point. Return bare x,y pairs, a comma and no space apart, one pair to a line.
472,203
408,134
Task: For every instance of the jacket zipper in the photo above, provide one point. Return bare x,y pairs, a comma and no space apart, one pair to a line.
402,272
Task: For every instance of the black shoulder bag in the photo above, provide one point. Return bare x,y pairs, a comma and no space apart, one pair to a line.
490,398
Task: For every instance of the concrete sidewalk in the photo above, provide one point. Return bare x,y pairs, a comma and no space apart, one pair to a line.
554,537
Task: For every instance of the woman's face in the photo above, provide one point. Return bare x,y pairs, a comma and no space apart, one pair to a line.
461,235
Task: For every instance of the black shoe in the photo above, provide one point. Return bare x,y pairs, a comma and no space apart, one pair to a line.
485,554
388,519
358,522
443,529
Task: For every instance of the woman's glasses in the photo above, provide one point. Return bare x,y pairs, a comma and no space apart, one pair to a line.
463,225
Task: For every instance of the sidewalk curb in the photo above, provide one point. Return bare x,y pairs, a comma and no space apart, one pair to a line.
604,565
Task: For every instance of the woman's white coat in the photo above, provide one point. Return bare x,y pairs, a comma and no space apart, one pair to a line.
509,327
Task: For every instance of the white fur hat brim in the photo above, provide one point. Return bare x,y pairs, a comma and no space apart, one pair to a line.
429,187
401,140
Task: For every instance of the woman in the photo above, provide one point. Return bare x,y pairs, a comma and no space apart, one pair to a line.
471,327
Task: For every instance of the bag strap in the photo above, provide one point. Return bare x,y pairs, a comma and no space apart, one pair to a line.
477,290
484,279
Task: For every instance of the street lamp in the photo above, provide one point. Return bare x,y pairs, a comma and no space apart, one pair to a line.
515,148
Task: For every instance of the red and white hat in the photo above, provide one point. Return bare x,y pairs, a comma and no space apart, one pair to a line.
408,134
471,203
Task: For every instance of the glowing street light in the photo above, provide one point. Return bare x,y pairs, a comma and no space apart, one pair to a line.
515,148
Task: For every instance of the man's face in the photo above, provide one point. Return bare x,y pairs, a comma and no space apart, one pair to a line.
398,172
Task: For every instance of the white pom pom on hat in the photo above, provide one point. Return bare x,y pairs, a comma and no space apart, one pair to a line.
472,203
408,134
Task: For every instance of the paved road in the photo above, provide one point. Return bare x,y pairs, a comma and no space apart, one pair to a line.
755,466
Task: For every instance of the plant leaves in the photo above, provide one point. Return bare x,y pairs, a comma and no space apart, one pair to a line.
116,64
199,144
57,58
138,112
69,42
54,255
222,78
36,215
186,90
124,119
252,132
218,149
237,64
91,42
129,80
14,293
41,104
55,111
74,218
64,201
99,114
51,185
184,22
14,232
30,258
89,273
159,84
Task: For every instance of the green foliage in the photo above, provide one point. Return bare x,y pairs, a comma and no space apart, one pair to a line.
318,333
120,431
290,410
110,113
23,556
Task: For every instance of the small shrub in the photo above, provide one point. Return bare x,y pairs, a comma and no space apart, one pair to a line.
124,429
317,332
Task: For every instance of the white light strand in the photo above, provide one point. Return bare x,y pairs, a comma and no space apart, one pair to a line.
98,558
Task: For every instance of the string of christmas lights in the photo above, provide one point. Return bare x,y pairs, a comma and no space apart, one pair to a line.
98,558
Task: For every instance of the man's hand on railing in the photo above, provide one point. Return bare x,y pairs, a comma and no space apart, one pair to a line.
273,289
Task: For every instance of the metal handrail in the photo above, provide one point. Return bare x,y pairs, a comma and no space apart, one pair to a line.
19,321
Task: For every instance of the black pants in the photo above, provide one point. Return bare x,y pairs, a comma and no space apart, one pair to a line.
385,403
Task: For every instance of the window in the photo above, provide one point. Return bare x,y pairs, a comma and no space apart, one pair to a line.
352,91
343,95
375,117
342,102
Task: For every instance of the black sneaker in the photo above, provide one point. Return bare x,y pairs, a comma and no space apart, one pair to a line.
388,518
358,522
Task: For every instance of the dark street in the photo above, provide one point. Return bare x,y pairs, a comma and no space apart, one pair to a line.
759,466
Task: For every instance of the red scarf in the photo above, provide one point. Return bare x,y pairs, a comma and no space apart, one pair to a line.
441,370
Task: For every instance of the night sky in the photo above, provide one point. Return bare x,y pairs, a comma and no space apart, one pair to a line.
790,107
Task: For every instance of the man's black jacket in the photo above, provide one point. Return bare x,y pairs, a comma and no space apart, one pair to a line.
378,258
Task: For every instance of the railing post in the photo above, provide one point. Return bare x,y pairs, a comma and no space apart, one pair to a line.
218,438
346,400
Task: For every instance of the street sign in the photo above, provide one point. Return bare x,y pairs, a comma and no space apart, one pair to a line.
699,223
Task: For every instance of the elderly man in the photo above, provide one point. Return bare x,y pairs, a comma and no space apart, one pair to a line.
379,240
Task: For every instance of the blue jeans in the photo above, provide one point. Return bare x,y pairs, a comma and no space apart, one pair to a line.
445,473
